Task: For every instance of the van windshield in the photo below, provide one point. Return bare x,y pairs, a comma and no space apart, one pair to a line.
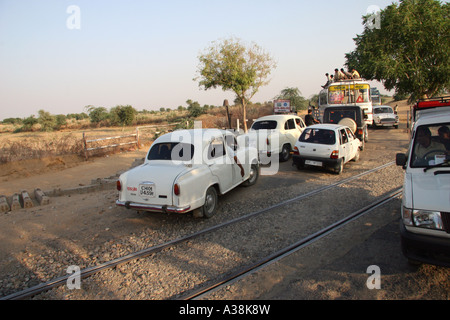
431,146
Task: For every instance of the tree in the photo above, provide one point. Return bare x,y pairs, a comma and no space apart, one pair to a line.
123,115
46,120
194,108
295,96
98,114
231,65
409,52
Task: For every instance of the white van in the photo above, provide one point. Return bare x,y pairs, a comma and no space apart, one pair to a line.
425,223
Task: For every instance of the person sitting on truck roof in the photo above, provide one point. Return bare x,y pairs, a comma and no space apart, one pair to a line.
425,146
347,74
329,80
338,75
355,74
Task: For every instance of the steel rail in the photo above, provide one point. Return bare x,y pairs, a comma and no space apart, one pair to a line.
247,270
87,272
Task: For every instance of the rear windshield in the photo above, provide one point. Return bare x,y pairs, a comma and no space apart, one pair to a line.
319,136
171,151
337,115
268,124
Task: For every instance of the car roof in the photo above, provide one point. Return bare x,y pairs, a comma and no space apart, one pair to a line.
382,106
328,126
191,134
277,117
434,116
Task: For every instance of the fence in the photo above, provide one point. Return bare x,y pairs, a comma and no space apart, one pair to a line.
87,142
136,140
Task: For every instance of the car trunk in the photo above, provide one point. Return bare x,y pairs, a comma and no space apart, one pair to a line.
152,184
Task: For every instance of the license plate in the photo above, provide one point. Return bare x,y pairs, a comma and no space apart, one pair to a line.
147,190
313,163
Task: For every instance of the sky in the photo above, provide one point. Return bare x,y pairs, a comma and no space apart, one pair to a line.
63,55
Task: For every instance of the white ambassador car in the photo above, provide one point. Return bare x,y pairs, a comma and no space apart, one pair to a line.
277,134
326,145
384,116
186,170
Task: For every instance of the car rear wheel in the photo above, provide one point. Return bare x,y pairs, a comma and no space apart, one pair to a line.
285,153
340,168
254,174
211,201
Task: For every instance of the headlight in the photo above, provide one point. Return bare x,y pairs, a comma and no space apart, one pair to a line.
422,218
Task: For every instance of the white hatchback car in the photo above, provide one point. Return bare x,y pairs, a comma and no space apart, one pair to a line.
326,145
186,170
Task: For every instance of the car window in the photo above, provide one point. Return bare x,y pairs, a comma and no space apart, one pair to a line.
350,134
343,136
337,115
289,124
231,142
216,149
171,151
266,124
300,122
319,136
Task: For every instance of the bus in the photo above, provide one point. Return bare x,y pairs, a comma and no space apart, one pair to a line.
351,92
375,96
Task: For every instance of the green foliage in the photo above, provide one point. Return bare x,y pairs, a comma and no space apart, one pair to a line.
46,120
298,102
194,108
96,115
12,121
232,66
410,52
122,115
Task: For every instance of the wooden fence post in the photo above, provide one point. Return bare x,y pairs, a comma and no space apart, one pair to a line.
85,147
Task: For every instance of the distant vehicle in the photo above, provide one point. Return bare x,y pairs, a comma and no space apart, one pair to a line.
280,132
375,96
187,170
425,223
353,92
384,116
351,116
326,145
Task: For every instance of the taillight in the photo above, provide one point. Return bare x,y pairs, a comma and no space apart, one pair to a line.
267,141
118,185
360,132
296,152
176,189
335,154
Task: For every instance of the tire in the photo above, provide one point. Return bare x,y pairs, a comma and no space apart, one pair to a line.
356,158
285,153
209,209
339,169
254,175
349,123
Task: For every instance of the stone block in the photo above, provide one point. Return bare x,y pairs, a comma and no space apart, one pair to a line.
41,197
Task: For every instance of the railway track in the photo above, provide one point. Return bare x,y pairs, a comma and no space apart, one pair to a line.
85,273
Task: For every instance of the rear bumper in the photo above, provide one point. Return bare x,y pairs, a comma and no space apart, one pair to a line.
152,208
329,163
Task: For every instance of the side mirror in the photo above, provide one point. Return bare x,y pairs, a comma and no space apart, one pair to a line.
400,159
